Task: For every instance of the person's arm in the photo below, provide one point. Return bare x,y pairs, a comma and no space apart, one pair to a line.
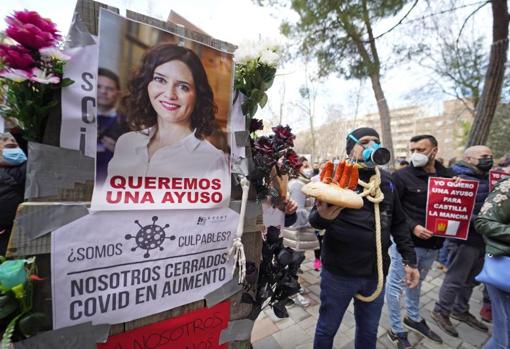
494,218
401,233
290,213
415,227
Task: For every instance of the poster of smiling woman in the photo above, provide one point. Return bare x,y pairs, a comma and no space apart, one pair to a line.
163,106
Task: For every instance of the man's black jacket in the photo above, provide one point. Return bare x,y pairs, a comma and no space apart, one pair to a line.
349,249
412,187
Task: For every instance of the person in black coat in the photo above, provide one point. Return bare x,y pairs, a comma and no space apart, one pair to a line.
468,256
412,188
349,263
12,185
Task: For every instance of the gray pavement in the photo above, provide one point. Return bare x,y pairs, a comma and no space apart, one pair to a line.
298,329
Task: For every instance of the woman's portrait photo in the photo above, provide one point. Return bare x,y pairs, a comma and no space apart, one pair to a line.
174,146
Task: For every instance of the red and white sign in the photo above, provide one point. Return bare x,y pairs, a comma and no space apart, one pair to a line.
198,329
495,176
450,206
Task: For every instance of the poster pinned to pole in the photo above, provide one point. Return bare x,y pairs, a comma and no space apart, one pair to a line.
114,267
162,136
450,205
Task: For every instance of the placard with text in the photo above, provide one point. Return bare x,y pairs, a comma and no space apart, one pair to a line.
199,329
162,129
495,176
118,266
450,206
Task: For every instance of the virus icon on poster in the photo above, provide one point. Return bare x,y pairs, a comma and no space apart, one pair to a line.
150,237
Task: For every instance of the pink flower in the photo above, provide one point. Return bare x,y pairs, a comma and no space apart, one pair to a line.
42,77
16,57
31,30
15,75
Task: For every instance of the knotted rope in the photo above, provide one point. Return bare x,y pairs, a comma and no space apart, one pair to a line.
372,192
237,249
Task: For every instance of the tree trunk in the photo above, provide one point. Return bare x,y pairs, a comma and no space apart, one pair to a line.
384,114
494,77
312,133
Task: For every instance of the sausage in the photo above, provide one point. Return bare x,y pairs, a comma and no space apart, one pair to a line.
338,173
328,172
353,182
344,182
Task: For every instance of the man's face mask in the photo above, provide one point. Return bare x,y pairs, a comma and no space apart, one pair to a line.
373,154
485,164
14,156
419,159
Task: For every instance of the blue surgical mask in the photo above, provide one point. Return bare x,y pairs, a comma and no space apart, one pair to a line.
14,156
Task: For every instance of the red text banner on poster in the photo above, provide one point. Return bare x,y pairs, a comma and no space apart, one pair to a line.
449,206
495,176
199,329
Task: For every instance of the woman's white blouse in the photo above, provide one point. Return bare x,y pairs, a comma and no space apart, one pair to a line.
190,157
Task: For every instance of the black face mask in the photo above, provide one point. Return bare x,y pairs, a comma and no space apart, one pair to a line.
485,164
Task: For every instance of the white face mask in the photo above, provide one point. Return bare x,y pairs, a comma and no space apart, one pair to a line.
419,159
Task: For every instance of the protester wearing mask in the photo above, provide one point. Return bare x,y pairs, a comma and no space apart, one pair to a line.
349,263
412,187
467,261
12,185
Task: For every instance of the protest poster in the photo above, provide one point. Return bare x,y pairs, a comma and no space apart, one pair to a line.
117,266
495,176
450,206
199,329
163,143
78,103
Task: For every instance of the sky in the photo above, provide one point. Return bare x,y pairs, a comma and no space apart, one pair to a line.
236,21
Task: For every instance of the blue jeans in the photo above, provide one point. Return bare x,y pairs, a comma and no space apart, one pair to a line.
396,284
336,295
500,302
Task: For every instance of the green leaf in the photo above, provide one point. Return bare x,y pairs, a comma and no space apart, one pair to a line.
66,82
263,100
8,305
33,323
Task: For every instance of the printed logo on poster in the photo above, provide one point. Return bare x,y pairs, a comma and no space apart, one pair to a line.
137,263
450,205
495,176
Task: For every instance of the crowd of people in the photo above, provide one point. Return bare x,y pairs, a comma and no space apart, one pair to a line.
344,244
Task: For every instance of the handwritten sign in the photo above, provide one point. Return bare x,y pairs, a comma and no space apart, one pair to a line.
113,267
450,206
495,176
199,329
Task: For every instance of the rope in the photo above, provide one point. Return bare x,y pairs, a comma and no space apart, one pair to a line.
372,192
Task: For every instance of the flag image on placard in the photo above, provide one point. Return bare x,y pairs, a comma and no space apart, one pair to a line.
441,225
452,227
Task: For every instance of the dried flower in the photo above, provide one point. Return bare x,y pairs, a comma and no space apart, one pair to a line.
264,145
31,30
256,124
16,57
284,134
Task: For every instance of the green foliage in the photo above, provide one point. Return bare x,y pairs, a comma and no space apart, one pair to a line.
253,79
337,32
